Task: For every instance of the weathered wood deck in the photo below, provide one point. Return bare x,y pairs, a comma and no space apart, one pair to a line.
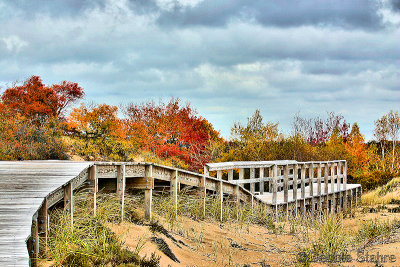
23,186
29,189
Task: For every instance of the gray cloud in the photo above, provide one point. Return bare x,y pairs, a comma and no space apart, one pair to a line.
227,60
282,13
395,5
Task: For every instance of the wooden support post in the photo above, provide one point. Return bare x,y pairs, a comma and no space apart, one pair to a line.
252,176
230,174
174,190
275,189
311,177
262,181
219,175
356,196
351,201
319,172
204,189
241,174
345,187
303,189
69,201
295,174
35,243
333,195
42,222
93,188
148,194
121,182
339,183
220,196
326,188
252,203
286,189
237,196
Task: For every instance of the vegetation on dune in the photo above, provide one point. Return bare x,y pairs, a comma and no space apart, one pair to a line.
386,194
90,242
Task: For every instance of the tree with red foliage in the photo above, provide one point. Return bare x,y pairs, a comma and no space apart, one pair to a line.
37,102
171,130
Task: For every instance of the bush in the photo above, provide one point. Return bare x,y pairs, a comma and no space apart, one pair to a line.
24,140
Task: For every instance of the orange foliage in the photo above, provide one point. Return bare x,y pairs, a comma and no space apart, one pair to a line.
38,102
98,121
171,130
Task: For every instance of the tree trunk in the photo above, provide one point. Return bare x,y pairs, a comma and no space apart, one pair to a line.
394,146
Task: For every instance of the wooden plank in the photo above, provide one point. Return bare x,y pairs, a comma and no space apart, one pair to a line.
140,183
246,164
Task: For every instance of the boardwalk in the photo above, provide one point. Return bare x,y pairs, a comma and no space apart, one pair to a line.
29,189
23,185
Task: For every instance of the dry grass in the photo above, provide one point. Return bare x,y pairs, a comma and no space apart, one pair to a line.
387,194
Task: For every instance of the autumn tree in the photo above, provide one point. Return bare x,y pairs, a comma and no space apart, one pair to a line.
96,121
252,139
357,150
38,102
171,130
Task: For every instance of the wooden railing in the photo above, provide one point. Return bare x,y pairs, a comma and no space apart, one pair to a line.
281,176
127,175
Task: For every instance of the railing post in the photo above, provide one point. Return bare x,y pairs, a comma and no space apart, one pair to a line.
219,175
252,176
121,182
326,187
230,174
333,195
174,190
295,174
345,186
204,189
275,189
319,170
92,185
220,196
42,221
262,181
241,174
35,243
69,201
311,177
285,189
237,195
303,190
148,194
339,183
351,202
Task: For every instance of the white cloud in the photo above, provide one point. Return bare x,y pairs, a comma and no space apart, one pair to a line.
14,43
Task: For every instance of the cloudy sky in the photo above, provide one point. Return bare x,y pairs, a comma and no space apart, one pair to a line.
227,57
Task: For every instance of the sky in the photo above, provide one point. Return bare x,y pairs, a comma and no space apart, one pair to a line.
226,57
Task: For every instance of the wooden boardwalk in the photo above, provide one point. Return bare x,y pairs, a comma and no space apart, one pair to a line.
23,186
29,189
